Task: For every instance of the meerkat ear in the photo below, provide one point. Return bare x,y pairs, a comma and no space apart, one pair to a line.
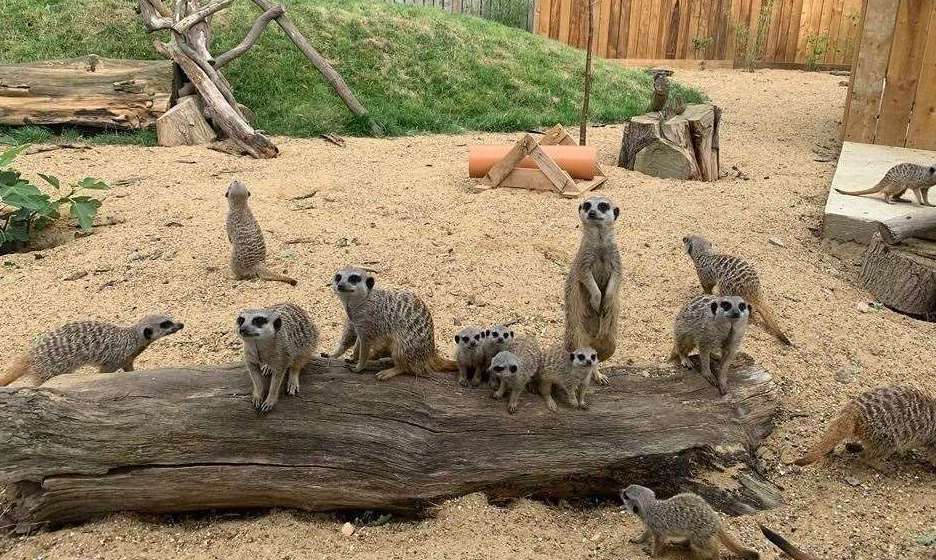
571,356
147,333
277,323
511,334
714,308
457,339
617,212
227,192
369,282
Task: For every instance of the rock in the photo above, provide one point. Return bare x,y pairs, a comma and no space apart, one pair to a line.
76,276
347,529
848,373
776,241
852,481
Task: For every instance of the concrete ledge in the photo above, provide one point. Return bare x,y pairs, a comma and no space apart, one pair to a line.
854,218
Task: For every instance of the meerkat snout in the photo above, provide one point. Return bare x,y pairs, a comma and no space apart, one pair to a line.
257,323
732,307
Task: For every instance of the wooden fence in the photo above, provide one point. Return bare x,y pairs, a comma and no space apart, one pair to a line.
798,32
892,95
515,13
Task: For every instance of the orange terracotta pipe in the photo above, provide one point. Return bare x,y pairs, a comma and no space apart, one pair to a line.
577,161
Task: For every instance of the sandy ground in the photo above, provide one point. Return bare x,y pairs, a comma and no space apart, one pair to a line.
402,207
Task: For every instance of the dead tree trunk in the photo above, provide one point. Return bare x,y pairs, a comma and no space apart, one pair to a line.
188,439
902,277
895,230
682,146
88,91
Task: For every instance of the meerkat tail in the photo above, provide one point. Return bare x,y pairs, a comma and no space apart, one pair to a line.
735,547
267,274
785,546
768,318
871,190
841,428
18,368
438,363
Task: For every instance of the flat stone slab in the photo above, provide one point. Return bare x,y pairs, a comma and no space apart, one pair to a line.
854,218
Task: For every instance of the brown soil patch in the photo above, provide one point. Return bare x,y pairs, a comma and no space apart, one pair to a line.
402,207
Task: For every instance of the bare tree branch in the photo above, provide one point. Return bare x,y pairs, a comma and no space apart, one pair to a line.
252,37
153,18
184,24
220,82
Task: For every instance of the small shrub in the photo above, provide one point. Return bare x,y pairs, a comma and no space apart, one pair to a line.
24,209
702,44
816,46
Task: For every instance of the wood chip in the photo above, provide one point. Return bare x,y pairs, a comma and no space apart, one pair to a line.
347,529
334,139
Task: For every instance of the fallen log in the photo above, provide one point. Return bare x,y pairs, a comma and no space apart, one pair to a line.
177,440
902,277
88,91
895,230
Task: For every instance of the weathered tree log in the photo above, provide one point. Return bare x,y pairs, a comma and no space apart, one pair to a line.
683,146
895,230
184,125
189,439
88,91
902,277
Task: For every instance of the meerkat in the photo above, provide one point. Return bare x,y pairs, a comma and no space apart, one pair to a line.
469,354
248,254
379,318
279,339
899,179
785,545
886,420
83,343
514,368
684,517
734,277
570,373
496,339
714,325
591,287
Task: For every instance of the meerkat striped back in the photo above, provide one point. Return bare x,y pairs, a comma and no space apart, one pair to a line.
405,314
84,342
299,330
896,417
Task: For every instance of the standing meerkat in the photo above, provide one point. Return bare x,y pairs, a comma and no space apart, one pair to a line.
682,518
248,251
469,354
83,343
886,420
734,277
899,179
282,338
378,318
570,373
591,287
714,325
514,368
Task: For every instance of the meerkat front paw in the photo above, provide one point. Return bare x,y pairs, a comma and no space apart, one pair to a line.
265,370
462,380
292,388
552,406
601,378
583,405
266,407
257,400
513,407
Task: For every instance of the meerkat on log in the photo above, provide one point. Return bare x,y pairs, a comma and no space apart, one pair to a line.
248,250
569,373
279,339
716,326
514,368
469,353
683,518
591,287
886,420
84,343
901,178
378,318
734,277
496,339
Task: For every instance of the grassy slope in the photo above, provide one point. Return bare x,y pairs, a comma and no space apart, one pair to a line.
415,69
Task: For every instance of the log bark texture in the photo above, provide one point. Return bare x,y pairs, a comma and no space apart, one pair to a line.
895,230
89,91
188,439
682,146
902,277
184,125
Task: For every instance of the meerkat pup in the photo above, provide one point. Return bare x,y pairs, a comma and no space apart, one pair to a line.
682,518
591,287
248,255
514,368
83,343
886,420
569,373
469,353
281,339
496,339
379,318
714,325
899,179
734,277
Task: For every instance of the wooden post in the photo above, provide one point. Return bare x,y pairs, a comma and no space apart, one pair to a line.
583,129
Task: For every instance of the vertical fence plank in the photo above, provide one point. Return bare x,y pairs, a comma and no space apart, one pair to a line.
834,33
633,30
604,26
672,33
542,26
870,70
627,12
922,132
555,16
565,18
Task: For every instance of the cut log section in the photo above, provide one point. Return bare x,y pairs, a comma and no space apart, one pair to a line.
189,439
88,91
184,125
683,146
895,230
902,277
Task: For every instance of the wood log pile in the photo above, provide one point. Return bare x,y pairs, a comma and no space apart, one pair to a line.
900,270
189,439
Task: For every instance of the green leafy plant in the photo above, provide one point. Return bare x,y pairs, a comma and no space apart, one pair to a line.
816,46
25,209
702,44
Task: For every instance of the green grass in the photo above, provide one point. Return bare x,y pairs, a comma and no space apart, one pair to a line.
415,69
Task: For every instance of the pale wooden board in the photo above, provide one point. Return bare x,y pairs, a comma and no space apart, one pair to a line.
854,218
675,63
922,132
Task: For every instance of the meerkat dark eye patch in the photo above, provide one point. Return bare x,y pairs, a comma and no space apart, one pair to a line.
586,206
477,337
457,339
369,283
513,369
487,333
714,307
337,278
594,357
277,323
147,333
726,305
742,306
581,357
259,321
165,325
240,321
604,206
354,278
498,369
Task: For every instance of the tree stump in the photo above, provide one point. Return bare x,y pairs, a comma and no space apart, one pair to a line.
682,146
88,91
184,125
895,230
189,439
902,277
